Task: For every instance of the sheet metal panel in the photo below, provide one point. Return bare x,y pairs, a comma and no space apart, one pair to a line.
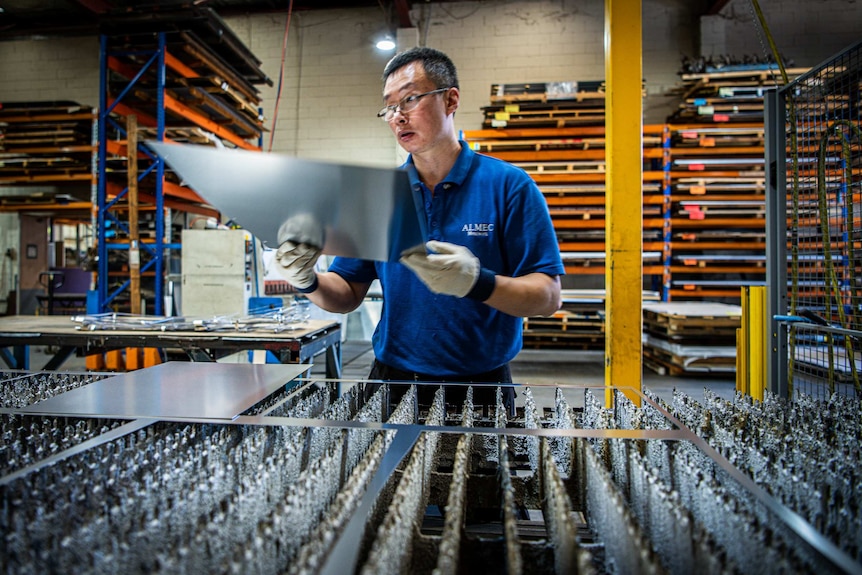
352,211
174,390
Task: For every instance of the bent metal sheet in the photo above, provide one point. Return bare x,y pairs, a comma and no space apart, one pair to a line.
352,211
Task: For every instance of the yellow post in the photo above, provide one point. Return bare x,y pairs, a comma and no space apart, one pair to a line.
623,196
751,343
757,342
742,336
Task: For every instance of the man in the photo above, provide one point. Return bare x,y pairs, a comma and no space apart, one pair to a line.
452,311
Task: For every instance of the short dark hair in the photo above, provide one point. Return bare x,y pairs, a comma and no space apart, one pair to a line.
438,66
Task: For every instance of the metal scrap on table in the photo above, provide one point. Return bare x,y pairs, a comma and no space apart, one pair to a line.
276,320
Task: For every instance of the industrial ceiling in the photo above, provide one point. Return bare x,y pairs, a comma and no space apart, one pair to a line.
24,19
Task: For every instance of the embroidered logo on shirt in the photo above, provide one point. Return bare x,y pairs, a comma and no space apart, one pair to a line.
478,229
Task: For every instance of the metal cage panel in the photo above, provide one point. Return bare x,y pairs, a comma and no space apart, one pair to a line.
819,169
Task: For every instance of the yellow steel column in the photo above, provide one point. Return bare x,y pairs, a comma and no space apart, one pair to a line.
743,336
751,343
757,342
623,196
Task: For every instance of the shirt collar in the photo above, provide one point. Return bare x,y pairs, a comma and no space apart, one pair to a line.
456,175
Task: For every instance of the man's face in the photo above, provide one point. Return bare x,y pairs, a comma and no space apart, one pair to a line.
420,128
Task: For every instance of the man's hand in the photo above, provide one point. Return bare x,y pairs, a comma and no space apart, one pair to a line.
448,269
295,262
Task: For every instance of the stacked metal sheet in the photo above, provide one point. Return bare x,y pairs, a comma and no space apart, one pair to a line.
338,476
690,337
45,143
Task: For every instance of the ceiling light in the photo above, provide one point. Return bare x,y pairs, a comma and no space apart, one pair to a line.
386,43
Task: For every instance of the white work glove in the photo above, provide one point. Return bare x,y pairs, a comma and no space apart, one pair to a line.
449,269
297,254
295,262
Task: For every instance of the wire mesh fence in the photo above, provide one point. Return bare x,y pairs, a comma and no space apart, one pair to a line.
823,172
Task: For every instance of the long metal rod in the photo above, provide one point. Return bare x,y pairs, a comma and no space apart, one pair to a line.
102,183
160,179
776,241
817,327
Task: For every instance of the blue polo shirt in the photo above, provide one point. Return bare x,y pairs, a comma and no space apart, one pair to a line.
495,210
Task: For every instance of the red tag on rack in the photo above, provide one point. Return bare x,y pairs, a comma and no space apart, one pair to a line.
696,167
695,213
720,118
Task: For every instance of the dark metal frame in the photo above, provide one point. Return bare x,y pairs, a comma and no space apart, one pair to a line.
806,111
106,212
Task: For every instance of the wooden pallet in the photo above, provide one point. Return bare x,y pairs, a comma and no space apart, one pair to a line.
537,145
676,321
664,363
564,322
557,341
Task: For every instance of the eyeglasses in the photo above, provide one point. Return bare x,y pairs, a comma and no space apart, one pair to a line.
386,113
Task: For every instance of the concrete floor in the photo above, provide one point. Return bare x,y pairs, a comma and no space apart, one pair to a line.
543,370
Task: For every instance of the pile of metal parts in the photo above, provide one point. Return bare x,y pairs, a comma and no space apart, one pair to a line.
277,320
806,453
337,476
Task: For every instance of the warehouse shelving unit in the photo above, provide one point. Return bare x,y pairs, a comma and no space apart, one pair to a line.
45,143
703,227
703,179
568,165
186,79
717,184
715,211
703,203
47,151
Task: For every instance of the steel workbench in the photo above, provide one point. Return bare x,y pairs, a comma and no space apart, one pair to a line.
300,345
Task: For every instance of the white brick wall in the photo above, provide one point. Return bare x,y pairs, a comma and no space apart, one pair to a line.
807,32
331,86
50,69
506,42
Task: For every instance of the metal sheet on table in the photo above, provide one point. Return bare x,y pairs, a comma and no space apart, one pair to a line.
351,211
174,389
